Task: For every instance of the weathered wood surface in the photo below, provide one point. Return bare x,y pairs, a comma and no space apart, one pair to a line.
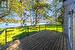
44,40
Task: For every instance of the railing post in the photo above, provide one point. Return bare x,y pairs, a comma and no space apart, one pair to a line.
39,27
5,38
45,26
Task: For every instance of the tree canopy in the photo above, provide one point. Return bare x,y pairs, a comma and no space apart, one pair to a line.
40,7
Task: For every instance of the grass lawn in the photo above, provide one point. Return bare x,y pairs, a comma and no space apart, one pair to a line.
20,32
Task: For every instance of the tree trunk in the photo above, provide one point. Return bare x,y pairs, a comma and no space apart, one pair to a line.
36,18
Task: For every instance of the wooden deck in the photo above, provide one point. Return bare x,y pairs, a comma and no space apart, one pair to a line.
44,40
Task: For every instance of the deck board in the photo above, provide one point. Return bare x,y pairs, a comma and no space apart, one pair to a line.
44,40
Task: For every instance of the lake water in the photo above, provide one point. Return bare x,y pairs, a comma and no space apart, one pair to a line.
8,25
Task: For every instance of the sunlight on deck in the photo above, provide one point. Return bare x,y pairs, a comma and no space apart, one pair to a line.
12,32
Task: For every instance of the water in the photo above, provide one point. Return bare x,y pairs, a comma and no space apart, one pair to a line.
8,25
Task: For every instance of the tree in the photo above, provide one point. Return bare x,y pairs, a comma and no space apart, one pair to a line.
39,7
19,7
56,6
60,18
16,6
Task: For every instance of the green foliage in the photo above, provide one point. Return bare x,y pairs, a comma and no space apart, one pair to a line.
19,6
16,6
39,8
61,17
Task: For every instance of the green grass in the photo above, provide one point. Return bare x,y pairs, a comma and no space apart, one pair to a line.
20,32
